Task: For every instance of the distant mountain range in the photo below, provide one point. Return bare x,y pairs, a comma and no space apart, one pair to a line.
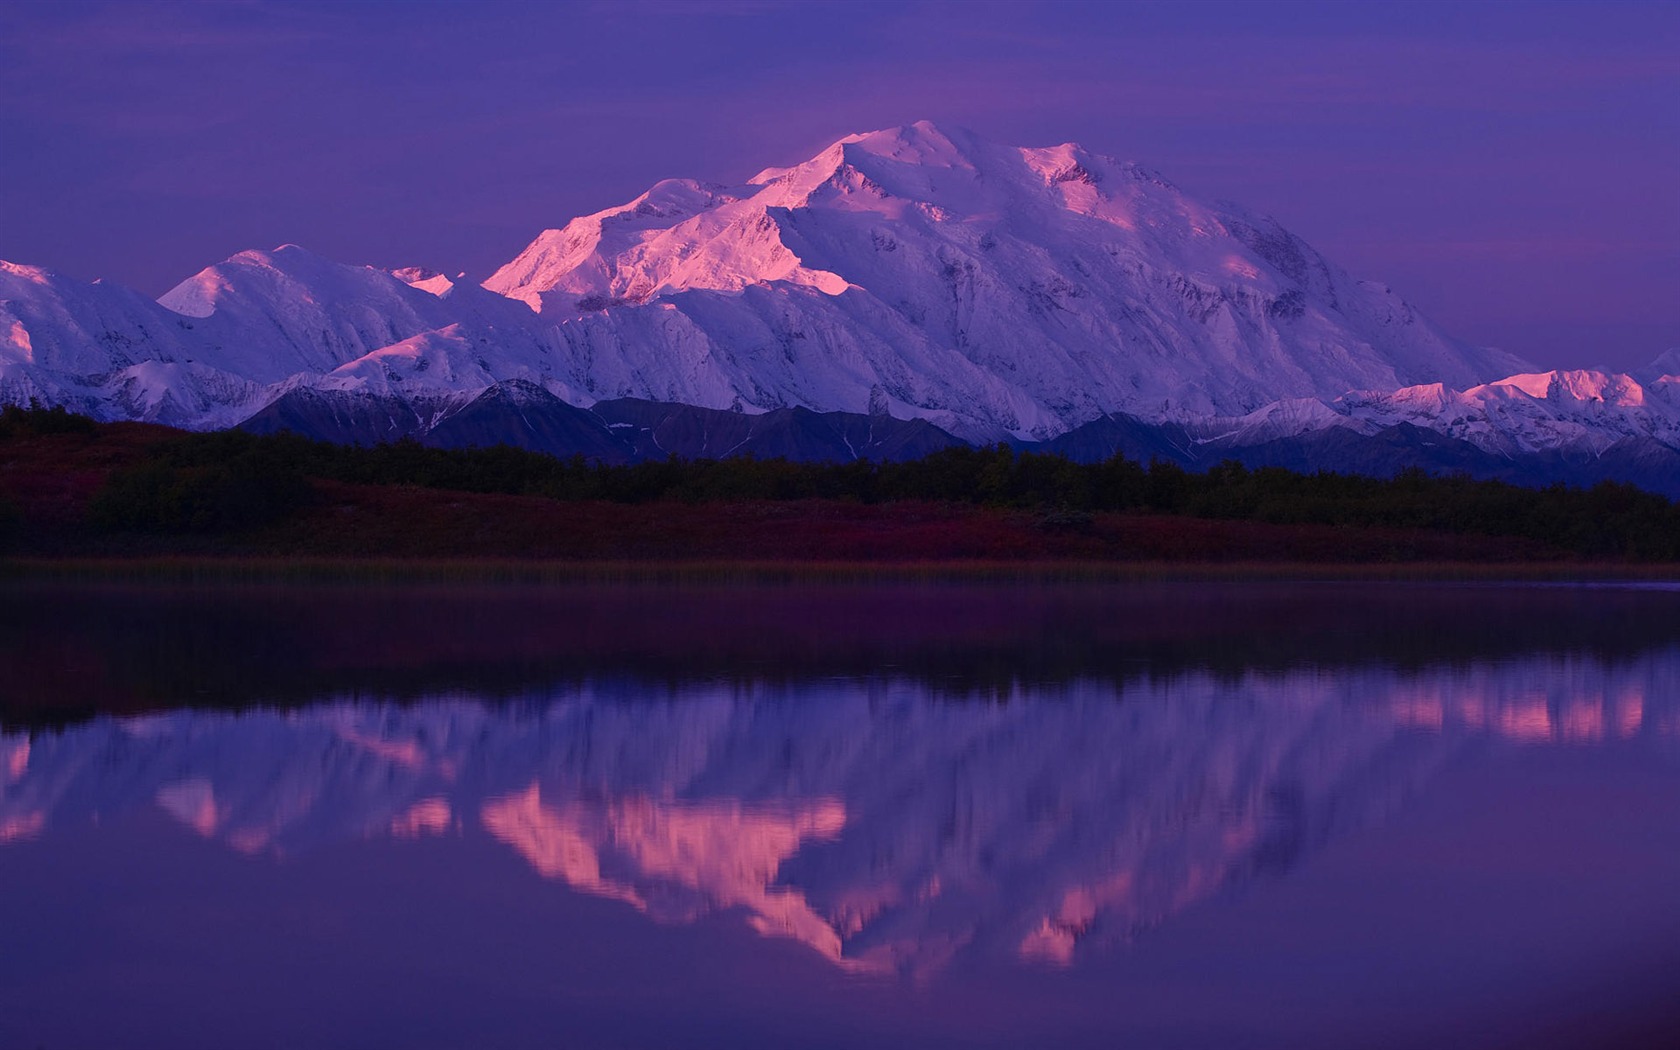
900,291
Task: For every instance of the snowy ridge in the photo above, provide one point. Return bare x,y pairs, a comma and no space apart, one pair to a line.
887,831
1573,410
918,272
997,291
1537,411
104,350
236,336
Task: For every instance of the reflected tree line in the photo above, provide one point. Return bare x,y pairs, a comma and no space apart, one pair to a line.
68,651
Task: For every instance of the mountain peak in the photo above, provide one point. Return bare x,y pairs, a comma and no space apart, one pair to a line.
1667,363
284,257
921,143
919,271
1082,284
1579,385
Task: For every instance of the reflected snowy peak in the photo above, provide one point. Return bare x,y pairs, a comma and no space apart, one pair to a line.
887,830
689,858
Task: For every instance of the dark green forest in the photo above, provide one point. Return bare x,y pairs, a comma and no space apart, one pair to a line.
230,480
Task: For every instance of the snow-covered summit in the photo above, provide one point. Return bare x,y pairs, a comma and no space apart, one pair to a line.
945,265
920,272
274,314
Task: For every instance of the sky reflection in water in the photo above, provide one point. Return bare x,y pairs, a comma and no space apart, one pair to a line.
876,828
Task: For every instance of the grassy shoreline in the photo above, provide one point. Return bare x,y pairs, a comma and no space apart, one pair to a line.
237,569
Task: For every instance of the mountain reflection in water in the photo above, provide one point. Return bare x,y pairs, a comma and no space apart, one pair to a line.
887,829
1186,815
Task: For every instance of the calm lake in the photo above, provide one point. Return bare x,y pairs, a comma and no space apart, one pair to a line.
1154,815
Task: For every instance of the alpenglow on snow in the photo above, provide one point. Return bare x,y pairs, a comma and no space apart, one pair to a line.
915,273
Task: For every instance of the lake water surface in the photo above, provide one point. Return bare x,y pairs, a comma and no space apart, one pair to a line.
1156,815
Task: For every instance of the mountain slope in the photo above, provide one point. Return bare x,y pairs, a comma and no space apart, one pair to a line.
655,430
525,415
1535,412
899,288
991,289
107,351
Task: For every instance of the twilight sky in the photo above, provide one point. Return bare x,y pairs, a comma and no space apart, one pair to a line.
1512,168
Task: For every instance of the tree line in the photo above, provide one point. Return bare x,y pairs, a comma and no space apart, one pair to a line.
231,480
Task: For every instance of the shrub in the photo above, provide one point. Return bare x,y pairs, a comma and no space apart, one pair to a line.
11,525
204,484
16,421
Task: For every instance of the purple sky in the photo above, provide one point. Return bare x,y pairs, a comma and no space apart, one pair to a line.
1512,168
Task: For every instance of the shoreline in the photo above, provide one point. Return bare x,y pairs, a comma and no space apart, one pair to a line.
238,569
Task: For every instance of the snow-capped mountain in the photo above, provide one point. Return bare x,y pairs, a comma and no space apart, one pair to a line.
996,291
887,830
1536,412
109,352
240,334
999,293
